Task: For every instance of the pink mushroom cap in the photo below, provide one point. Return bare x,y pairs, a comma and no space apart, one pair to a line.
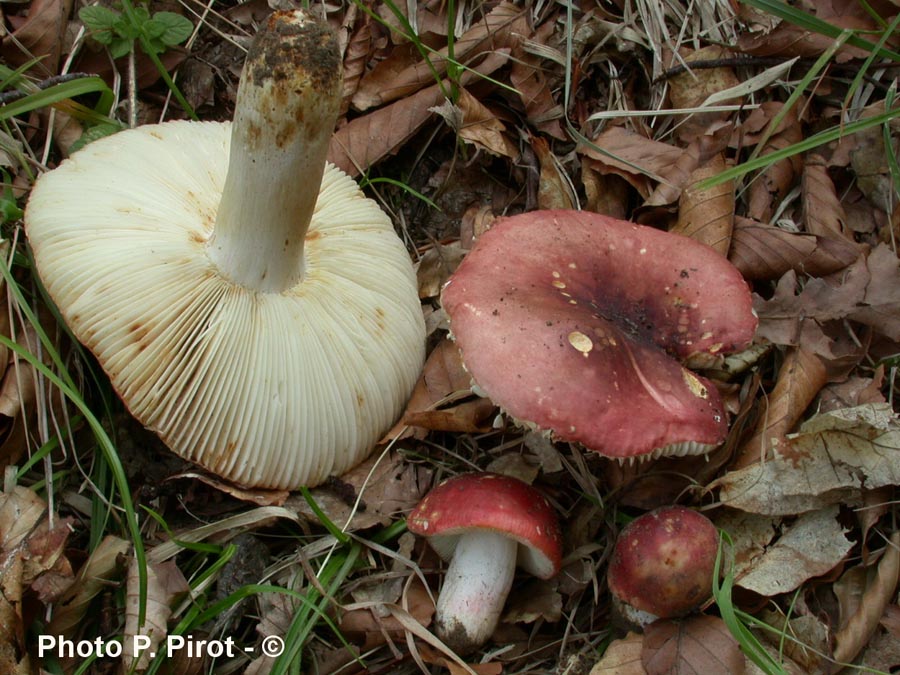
496,503
577,323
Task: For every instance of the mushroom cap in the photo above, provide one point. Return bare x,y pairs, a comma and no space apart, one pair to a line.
575,322
496,503
271,390
663,562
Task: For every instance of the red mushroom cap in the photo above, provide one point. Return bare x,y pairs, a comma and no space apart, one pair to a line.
574,322
497,503
663,561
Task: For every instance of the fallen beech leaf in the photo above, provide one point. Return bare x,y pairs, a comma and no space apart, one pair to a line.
800,378
358,145
860,627
384,485
763,251
357,53
622,657
677,176
436,266
823,214
880,307
707,215
537,599
631,156
811,546
809,641
503,26
482,128
554,190
165,585
691,88
433,403
831,460
367,628
788,39
39,35
93,578
773,184
750,533
700,644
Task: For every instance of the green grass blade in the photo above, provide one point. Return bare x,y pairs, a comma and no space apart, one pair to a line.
55,94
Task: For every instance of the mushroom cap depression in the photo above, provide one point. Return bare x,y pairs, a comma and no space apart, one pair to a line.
495,503
576,323
271,390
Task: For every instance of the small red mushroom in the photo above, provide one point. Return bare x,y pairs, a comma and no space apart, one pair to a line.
579,324
663,564
484,524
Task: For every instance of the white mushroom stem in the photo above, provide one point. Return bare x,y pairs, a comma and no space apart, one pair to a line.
287,104
475,588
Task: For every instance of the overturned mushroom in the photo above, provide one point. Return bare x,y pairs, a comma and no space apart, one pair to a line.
577,323
248,303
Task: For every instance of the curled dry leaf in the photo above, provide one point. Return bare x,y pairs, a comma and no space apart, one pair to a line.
435,267
95,576
622,657
762,251
503,26
437,401
831,460
165,585
629,155
528,75
357,52
699,644
861,625
358,145
374,493
767,192
554,190
800,378
691,88
482,128
823,214
811,546
707,215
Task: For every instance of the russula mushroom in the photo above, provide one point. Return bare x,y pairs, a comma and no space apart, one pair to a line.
484,524
248,303
662,564
576,323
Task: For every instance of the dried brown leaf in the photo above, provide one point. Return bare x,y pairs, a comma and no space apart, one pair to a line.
622,657
811,546
435,267
389,81
357,54
833,458
363,141
762,251
433,404
627,154
861,625
165,585
482,128
40,35
385,486
707,215
880,308
788,39
700,645
94,577
369,629
528,75
773,184
554,191
691,88
537,599
823,214
800,378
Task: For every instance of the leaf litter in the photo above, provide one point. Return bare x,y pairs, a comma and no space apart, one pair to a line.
623,108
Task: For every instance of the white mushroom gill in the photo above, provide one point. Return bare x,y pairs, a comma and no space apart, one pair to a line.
279,386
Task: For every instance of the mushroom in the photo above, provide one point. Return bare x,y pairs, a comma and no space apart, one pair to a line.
662,565
575,323
248,303
484,524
